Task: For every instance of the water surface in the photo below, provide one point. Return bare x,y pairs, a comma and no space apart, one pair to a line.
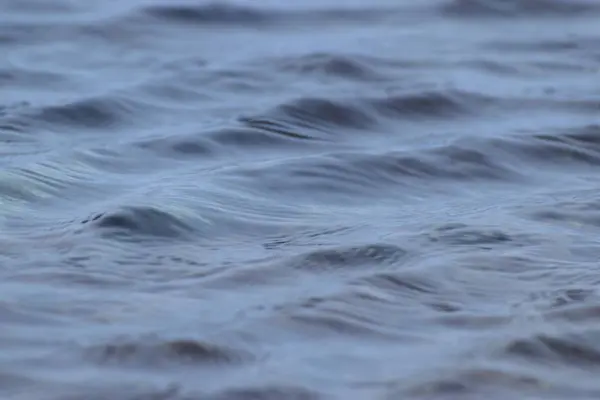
299,200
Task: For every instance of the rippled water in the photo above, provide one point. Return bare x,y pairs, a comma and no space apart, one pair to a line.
299,200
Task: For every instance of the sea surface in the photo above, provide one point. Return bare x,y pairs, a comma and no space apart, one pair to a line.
304,200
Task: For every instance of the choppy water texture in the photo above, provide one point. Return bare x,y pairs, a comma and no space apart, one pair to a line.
299,199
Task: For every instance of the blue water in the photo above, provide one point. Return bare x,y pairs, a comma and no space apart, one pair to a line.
299,200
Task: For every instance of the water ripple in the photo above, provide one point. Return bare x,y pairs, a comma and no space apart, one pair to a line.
321,200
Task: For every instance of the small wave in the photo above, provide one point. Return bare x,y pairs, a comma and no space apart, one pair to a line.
407,289
214,13
576,313
361,310
431,104
178,146
354,257
336,321
462,234
39,181
569,217
569,297
576,349
268,393
575,304
176,92
100,113
358,174
476,383
12,127
22,79
16,34
576,146
352,67
321,114
330,115
94,113
403,284
528,8
266,138
155,352
141,221
583,44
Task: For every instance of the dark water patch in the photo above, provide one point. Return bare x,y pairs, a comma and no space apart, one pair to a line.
459,319
11,382
567,46
565,298
263,136
465,235
11,123
431,104
367,256
519,8
533,69
353,67
576,214
403,284
178,146
230,14
155,352
578,146
574,349
321,114
21,78
331,115
95,113
141,221
14,131
572,218
471,163
211,13
268,393
476,383
587,136
277,128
